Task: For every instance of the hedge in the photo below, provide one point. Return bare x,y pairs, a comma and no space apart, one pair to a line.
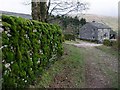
28,47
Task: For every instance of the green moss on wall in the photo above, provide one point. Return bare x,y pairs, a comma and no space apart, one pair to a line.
28,47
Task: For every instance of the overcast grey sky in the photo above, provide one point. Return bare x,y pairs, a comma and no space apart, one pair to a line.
99,7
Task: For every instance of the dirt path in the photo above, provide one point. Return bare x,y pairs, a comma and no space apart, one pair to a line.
100,67
63,80
86,44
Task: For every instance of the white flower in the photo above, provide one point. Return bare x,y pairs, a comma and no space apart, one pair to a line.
9,35
30,53
25,80
1,47
11,47
38,61
5,72
26,35
6,32
31,23
39,41
12,62
7,65
5,45
40,51
3,60
9,69
35,30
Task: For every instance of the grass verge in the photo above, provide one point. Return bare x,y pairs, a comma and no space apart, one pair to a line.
110,73
108,50
71,60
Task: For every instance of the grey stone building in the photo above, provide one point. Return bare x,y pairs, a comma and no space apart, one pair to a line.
95,31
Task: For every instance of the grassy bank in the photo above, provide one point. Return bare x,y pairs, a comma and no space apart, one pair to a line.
108,50
70,66
113,75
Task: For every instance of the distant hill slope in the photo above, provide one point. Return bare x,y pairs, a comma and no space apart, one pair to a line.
111,21
27,16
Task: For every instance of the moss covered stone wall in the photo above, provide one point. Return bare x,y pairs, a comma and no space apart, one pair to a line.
28,47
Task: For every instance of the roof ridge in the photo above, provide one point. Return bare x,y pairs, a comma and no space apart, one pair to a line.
99,25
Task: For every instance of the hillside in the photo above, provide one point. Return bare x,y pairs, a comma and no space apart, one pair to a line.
27,16
111,21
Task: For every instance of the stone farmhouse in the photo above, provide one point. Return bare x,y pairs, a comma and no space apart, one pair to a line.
96,31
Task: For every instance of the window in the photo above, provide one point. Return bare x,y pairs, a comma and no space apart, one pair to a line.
105,35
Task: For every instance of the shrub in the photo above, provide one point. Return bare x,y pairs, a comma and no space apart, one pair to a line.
69,37
107,42
114,44
27,49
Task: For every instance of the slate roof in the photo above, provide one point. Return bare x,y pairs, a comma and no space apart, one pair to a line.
27,16
99,25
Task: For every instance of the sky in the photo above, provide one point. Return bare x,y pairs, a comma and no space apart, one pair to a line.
99,7
104,7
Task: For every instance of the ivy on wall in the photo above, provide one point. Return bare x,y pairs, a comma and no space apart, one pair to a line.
28,47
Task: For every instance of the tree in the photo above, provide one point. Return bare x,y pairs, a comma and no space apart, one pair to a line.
64,8
35,11
83,21
39,11
42,9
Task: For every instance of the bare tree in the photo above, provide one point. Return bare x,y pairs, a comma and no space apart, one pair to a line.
66,7
42,10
